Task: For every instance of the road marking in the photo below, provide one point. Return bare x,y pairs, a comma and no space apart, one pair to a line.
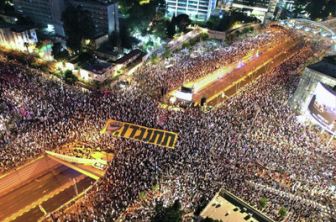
40,201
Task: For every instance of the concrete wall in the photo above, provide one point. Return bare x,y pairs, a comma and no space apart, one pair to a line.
217,35
25,174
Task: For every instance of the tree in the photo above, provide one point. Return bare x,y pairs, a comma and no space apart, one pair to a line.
168,214
263,202
228,20
69,77
201,205
171,27
139,15
78,25
59,52
282,212
182,21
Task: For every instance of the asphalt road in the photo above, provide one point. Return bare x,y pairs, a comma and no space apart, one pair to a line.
213,90
52,204
38,188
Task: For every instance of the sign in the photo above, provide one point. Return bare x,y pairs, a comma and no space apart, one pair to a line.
140,133
97,163
322,107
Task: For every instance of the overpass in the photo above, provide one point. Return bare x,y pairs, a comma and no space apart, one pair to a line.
29,192
47,183
325,30
331,24
84,160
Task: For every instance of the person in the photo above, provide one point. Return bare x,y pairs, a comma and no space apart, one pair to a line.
252,145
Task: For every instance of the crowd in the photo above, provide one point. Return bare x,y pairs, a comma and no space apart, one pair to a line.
247,146
189,65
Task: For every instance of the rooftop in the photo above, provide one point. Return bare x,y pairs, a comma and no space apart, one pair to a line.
96,66
327,66
96,2
229,208
15,28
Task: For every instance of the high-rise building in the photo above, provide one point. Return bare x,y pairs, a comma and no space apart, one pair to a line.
287,4
104,14
48,13
196,9
44,12
17,37
262,9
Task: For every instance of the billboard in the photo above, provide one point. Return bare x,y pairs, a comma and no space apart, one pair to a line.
322,107
140,133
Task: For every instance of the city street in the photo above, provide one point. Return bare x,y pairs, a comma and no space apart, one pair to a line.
56,184
235,78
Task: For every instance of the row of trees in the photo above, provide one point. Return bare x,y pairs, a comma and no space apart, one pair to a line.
228,20
173,213
282,213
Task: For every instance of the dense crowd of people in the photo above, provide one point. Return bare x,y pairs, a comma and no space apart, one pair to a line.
205,59
252,145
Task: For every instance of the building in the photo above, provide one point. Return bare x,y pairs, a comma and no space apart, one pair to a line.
104,15
262,9
47,13
225,206
315,96
199,10
17,37
287,4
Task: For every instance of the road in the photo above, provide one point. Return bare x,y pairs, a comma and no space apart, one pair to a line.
268,59
51,190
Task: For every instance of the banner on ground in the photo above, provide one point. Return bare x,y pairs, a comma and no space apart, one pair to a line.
148,135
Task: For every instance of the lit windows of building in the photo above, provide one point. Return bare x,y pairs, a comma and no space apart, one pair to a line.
103,13
262,9
17,37
196,9
43,12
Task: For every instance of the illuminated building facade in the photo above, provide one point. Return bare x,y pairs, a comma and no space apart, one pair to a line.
315,96
103,13
45,12
287,4
49,13
17,38
262,9
196,9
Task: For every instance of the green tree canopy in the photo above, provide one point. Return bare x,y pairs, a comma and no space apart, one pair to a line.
168,214
227,21
182,21
78,25
282,212
263,202
69,77
140,13
59,52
